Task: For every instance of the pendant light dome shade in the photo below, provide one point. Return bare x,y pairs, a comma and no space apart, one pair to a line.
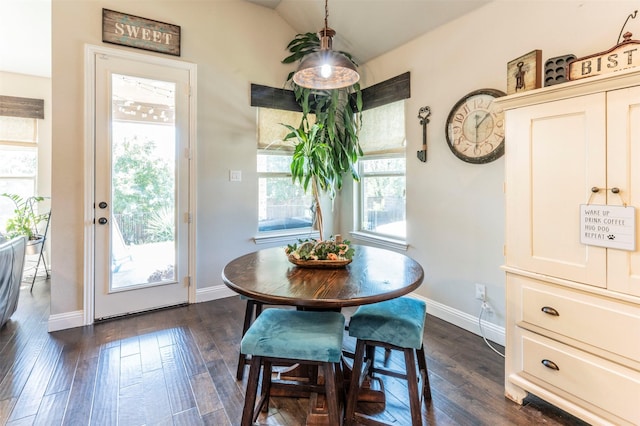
326,69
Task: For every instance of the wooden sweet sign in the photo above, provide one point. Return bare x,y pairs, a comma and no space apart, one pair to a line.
620,57
142,33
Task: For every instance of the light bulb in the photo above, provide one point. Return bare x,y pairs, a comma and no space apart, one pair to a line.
325,71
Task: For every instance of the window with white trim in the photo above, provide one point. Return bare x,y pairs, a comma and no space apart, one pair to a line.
381,208
283,205
19,165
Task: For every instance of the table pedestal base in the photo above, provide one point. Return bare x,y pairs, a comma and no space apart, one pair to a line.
295,382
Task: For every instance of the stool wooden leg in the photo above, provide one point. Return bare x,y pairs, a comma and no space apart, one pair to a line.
252,390
331,393
422,365
354,385
266,385
412,385
371,354
248,318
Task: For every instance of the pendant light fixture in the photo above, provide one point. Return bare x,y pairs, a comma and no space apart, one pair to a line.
326,69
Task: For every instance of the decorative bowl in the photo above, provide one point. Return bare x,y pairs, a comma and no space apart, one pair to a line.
319,264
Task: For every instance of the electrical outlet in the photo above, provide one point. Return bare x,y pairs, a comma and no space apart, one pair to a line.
481,292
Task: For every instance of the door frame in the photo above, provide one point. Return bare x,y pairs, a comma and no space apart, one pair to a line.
90,52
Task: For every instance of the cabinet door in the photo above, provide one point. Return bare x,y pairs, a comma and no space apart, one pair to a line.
555,153
623,169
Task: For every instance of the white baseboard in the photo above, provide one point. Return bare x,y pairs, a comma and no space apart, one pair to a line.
464,320
458,318
66,320
213,293
76,318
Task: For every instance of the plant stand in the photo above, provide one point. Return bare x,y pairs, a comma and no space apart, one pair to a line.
37,247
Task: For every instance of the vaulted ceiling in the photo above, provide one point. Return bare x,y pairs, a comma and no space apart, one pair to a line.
369,28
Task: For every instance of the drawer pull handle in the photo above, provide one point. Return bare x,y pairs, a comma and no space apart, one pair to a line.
551,311
550,364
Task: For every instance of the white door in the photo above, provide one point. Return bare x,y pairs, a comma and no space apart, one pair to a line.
141,185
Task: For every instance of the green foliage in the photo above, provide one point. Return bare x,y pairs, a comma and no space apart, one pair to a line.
310,160
337,114
142,182
25,220
160,225
310,164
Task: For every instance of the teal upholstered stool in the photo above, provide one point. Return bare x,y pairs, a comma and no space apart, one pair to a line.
396,324
304,337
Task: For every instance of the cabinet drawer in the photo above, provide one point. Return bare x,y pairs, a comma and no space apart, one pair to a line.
594,380
606,324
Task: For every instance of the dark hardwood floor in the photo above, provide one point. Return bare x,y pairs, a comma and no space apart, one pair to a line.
177,367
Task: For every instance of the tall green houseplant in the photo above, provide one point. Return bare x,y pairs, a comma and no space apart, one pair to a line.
330,148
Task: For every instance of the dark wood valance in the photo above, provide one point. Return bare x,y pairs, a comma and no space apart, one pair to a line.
270,97
385,92
12,106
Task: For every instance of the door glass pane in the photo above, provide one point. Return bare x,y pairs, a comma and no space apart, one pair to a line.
143,150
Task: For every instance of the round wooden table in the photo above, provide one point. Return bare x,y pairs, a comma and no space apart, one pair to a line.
374,275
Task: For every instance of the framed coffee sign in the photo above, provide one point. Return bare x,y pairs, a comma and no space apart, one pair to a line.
142,33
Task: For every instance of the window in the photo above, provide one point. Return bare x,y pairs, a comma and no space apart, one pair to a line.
19,165
382,196
282,205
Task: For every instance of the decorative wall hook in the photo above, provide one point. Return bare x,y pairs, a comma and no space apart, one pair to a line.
423,115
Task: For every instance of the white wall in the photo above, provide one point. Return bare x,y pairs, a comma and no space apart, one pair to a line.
233,43
455,211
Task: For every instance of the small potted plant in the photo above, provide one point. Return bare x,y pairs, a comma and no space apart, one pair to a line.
25,221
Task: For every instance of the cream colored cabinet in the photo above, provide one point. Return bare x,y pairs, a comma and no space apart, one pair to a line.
623,171
556,155
573,310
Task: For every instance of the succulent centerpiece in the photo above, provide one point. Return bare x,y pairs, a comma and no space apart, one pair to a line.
331,253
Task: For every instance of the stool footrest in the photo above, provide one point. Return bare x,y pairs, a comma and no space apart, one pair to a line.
388,372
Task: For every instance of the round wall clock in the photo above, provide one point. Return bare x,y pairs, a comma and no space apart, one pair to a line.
475,127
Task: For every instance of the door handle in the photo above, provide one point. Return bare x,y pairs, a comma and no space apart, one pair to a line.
102,220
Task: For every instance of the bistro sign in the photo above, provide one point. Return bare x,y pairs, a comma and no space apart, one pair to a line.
142,33
621,57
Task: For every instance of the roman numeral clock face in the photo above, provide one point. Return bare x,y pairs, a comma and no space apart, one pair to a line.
475,127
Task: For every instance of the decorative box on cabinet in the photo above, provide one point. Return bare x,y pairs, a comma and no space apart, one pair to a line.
573,310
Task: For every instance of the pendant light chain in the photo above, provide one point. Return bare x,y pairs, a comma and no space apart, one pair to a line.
326,69
326,15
